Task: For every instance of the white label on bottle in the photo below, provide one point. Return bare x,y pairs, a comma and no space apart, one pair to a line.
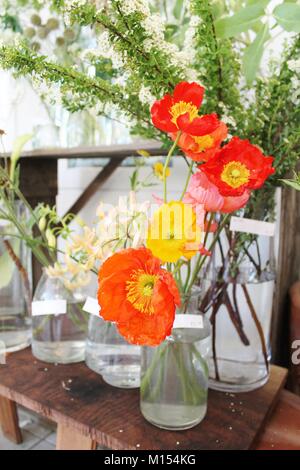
256,227
49,307
188,321
91,306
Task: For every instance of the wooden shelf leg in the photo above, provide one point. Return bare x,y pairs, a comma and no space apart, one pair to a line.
69,438
9,420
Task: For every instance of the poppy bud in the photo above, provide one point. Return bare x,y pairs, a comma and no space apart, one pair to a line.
42,223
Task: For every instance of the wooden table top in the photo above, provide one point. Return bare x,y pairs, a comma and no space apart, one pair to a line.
77,397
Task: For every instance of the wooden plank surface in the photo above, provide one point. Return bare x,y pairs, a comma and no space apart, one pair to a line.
288,273
282,430
74,396
9,421
294,338
100,151
69,439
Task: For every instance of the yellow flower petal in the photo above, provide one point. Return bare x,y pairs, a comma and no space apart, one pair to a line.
173,232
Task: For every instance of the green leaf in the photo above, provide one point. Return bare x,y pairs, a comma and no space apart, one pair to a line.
293,184
263,3
16,152
7,266
253,54
288,16
241,21
256,27
178,9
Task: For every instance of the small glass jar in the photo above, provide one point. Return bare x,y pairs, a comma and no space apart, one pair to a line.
109,354
58,335
174,375
15,287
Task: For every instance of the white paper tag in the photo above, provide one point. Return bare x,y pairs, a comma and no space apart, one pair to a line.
188,321
49,307
91,306
256,227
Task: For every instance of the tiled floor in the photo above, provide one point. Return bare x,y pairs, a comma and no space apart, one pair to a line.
38,434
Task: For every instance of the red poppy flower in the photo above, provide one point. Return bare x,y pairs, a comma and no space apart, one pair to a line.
202,148
137,294
180,111
237,167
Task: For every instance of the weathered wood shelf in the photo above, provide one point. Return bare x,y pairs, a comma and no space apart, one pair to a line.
88,410
119,151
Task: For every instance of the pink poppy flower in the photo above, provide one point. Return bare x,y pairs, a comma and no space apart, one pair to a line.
202,192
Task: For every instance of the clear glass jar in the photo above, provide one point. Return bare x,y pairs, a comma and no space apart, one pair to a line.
15,288
238,288
174,375
109,354
58,337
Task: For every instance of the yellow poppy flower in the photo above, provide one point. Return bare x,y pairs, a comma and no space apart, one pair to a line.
173,232
158,170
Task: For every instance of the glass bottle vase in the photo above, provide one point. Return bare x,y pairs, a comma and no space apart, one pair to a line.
174,375
15,288
109,354
238,297
59,324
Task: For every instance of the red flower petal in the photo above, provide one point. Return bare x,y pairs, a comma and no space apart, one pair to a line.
160,114
203,125
242,151
189,92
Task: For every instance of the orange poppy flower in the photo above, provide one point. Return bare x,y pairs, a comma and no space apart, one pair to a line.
138,295
202,148
180,111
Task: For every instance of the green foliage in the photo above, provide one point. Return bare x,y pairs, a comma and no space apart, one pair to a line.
288,16
293,183
87,91
218,65
224,56
240,22
10,22
127,36
253,54
18,146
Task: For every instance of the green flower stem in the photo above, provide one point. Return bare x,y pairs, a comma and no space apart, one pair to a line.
184,380
191,165
28,239
167,164
159,383
40,328
202,259
158,355
201,360
188,275
200,393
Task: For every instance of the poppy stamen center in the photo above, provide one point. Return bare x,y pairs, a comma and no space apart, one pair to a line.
182,107
235,174
204,142
140,290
